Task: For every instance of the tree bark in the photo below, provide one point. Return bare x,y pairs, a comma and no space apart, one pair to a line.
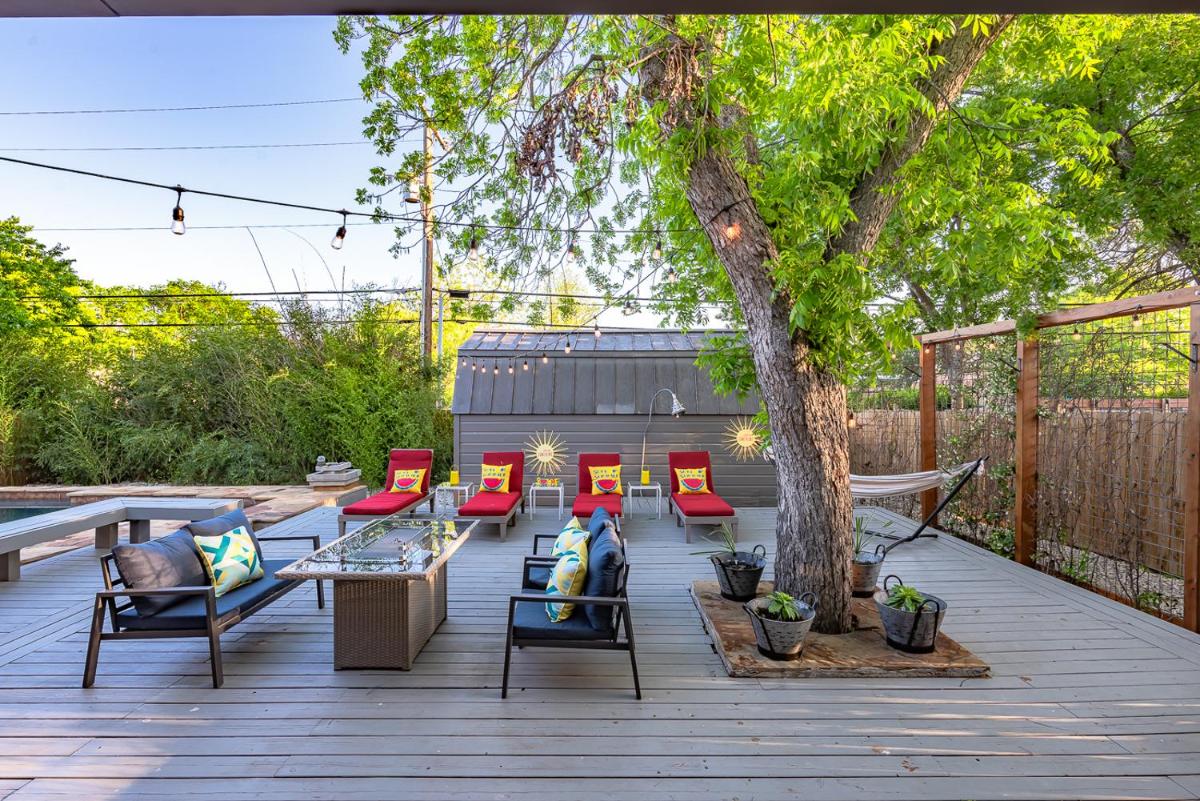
806,404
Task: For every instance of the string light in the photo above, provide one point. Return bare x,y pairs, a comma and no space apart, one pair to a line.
510,368
596,330
545,359
473,251
1137,318
657,254
850,421
525,365
571,254
177,226
672,276
1075,335
567,347
339,238
496,369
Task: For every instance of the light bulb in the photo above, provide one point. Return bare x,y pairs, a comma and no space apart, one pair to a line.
496,370
525,365
545,359
671,275
571,254
473,251
1076,336
567,347
850,421
339,238
1137,321
596,331
657,254
177,226
510,369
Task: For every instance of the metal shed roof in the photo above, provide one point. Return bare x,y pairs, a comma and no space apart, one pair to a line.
615,374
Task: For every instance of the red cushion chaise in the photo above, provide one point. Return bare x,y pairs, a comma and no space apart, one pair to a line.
383,504
706,508
499,507
585,502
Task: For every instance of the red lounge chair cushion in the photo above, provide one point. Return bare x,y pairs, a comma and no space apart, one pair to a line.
707,505
586,504
490,504
385,503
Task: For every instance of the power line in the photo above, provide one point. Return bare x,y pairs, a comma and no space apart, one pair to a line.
276,323
139,149
41,112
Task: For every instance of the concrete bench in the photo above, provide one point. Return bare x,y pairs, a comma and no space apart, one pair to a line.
104,517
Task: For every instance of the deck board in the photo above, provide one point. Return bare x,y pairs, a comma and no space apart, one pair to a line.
1088,699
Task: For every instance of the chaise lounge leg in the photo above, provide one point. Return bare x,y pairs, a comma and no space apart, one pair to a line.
93,650
10,566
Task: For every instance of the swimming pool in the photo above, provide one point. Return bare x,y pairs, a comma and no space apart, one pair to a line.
18,511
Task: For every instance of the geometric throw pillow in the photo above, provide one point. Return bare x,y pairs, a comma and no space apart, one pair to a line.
692,481
572,535
407,480
494,477
606,480
567,578
230,559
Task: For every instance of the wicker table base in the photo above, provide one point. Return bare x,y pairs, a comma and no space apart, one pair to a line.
384,624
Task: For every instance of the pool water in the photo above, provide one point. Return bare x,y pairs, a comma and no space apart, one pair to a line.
11,513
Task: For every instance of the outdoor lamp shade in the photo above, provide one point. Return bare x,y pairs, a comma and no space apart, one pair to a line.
676,407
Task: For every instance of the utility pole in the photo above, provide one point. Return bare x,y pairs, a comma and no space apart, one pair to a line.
427,273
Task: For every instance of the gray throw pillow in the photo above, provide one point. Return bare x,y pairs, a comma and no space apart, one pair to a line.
223,524
169,561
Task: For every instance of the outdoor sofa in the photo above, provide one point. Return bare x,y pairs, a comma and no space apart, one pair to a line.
165,592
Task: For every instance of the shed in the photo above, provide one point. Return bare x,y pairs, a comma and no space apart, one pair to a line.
596,398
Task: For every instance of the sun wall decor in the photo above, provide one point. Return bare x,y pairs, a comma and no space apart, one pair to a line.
547,452
744,438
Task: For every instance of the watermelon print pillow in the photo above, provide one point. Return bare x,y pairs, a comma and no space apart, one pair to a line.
494,477
407,480
606,480
692,480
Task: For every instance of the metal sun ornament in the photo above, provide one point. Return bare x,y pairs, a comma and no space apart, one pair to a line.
547,452
744,438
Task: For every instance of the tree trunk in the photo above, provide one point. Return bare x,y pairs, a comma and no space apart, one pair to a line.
806,404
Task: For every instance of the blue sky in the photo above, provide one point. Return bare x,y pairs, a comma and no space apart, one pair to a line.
98,63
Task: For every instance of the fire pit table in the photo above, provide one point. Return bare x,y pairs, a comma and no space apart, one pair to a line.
389,586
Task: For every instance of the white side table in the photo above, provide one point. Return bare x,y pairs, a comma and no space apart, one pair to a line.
646,490
447,494
536,490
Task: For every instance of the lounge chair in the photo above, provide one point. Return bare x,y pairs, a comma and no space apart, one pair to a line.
396,495
702,506
495,506
593,623
589,500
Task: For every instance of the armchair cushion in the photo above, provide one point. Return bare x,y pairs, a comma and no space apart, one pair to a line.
530,623
490,504
189,613
704,505
169,561
600,516
605,561
384,503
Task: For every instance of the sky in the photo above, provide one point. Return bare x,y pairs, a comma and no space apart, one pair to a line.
69,64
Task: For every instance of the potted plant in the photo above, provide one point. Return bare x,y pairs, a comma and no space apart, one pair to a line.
738,572
911,618
864,565
781,622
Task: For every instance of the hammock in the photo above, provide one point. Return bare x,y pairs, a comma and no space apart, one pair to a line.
903,483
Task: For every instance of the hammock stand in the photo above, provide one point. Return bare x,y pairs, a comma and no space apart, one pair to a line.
907,483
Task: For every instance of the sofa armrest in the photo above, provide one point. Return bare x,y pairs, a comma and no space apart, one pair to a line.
315,539
198,589
539,537
541,598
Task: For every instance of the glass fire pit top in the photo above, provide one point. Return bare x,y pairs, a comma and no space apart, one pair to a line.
393,547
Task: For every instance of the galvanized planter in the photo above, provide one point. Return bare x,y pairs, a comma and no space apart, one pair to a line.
864,571
914,632
738,573
781,639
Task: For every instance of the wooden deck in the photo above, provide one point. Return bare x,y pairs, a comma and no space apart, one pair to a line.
1089,699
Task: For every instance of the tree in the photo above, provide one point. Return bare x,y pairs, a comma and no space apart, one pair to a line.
772,154
37,283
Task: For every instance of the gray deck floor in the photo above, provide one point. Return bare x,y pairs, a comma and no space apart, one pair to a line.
1089,699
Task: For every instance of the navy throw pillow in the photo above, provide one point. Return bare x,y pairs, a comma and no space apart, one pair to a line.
605,562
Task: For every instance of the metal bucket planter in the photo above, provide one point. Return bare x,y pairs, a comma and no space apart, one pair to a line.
864,571
738,573
781,639
914,632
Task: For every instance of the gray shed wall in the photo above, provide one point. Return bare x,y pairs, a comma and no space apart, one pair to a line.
749,483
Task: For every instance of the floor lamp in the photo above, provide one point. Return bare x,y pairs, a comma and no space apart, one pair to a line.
676,410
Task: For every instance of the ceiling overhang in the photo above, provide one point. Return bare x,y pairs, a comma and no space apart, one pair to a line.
218,8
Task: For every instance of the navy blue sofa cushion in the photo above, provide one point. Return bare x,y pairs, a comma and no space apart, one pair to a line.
605,561
221,524
596,522
539,577
169,561
190,612
530,622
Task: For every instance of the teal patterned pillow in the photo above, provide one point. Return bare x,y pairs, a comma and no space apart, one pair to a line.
567,578
230,559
